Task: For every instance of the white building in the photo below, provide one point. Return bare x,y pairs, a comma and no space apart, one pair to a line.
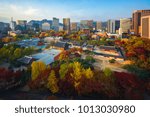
50,39
12,25
46,26
111,26
125,25
60,28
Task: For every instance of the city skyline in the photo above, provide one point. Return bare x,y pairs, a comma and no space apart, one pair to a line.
77,10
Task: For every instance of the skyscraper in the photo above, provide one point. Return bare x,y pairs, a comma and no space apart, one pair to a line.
74,26
117,25
4,27
136,20
55,24
86,24
12,24
66,24
145,26
83,24
98,25
22,23
125,25
90,24
113,25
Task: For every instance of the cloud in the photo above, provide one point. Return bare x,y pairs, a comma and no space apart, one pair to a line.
22,10
31,11
14,7
19,11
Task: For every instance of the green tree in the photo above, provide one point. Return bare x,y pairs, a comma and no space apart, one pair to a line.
17,53
63,70
90,59
107,72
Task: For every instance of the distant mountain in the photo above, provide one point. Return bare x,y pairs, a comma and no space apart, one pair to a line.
34,22
4,19
42,21
45,20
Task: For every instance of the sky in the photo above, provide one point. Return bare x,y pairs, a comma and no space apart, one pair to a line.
97,10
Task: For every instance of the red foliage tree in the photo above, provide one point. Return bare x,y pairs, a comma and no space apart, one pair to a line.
129,85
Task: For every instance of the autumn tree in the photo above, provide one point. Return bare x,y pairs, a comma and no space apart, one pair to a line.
88,73
107,72
77,71
63,70
52,82
137,50
37,67
17,53
63,56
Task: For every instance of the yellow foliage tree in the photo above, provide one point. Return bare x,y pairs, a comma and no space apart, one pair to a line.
52,82
107,72
88,73
61,57
77,71
63,70
37,67
46,35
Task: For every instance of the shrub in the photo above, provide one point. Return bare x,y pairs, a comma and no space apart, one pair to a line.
90,59
141,73
112,61
129,85
107,72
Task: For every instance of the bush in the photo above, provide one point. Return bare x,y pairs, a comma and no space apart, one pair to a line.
141,73
129,85
112,61
88,52
90,59
107,72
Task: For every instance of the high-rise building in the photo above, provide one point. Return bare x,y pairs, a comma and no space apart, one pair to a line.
55,24
117,25
4,27
104,26
22,23
60,28
83,24
12,24
145,26
136,20
125,25
86,24
90,24
66,24
74,26
46,26
112,26
98,25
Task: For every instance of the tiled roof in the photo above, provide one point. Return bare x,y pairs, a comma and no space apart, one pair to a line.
60,44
